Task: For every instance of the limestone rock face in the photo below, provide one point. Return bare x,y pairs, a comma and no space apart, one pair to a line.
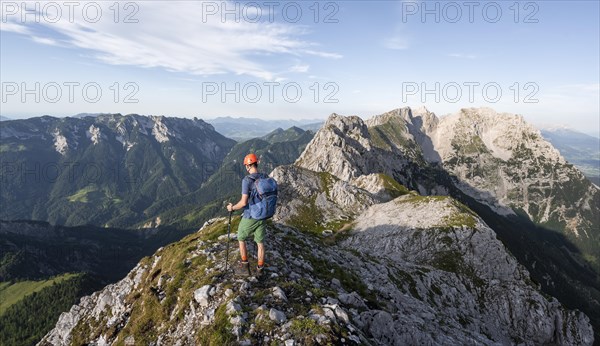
344,147
317,196
452,264
341,148
501,160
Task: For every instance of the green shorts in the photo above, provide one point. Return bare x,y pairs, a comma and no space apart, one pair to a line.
249,226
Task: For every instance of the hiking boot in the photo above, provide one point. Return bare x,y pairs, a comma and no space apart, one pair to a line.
259,271
242,269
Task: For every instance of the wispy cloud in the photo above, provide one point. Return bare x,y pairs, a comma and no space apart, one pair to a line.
14,27
463,56
173,36
45,40
322,54
396,43
299,67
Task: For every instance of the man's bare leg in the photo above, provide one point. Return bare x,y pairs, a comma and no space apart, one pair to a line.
243,252
261,254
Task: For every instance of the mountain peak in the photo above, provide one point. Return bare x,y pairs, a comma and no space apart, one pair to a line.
339,148
296,129
501,133
415,120
398,114
281,135
351,125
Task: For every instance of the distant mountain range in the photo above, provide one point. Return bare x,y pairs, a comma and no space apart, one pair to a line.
578,148
83,115
108,170
246,128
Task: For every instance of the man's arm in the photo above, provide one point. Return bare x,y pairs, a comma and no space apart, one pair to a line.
239,205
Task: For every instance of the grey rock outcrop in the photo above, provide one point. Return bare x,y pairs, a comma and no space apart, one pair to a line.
277,316
108,302
456,271
302,190
349,151
202,295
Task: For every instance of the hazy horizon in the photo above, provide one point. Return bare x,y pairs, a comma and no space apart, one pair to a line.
307,120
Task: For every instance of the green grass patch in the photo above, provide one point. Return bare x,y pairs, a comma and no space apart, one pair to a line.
460,219
219,228
304,220
327,180
28,320
414,198
341,230
12,293
12,147
91,194
217,333
394,188
473,146
83,195
390,134
452,261
304,330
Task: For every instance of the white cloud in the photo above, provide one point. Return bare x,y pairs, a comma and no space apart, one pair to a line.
463,56
322,54
173,35
299,68
44,40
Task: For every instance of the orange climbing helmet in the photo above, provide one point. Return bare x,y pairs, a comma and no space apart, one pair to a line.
250,159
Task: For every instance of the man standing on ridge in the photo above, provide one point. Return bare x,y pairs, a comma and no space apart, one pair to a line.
248,225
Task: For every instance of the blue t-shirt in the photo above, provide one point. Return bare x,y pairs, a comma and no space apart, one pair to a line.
248,188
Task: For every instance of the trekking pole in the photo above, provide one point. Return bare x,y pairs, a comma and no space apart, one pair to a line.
228,232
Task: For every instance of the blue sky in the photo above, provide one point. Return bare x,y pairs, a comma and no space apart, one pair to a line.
360,57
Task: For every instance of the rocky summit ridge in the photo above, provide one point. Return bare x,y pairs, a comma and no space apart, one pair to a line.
355,257
389,282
